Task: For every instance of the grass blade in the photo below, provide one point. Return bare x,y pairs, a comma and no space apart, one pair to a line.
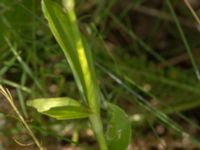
25,66
183,38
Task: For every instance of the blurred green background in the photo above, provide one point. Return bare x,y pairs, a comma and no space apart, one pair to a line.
146,54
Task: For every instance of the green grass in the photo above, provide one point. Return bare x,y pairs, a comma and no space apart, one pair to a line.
131,51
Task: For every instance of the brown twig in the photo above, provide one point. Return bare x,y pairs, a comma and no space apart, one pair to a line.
192,11
6,93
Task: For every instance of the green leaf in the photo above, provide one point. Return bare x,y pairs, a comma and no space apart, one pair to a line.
64,26
61,108
118,133
65,30
67,112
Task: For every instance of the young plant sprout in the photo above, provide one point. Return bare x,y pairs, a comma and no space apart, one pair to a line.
63,24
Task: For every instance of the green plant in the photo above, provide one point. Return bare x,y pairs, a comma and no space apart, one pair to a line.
63,24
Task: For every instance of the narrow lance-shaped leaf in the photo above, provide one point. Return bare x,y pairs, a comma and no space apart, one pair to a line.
62,29
63,25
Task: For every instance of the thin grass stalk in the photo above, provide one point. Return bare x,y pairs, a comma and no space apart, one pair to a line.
9,97
183,37
192,11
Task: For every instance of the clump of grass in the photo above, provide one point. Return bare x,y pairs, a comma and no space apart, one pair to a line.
184,40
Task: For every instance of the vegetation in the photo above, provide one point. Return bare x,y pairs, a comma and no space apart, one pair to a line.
131,76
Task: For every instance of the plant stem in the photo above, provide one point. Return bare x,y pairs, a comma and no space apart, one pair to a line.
92,95
98,129
92,92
